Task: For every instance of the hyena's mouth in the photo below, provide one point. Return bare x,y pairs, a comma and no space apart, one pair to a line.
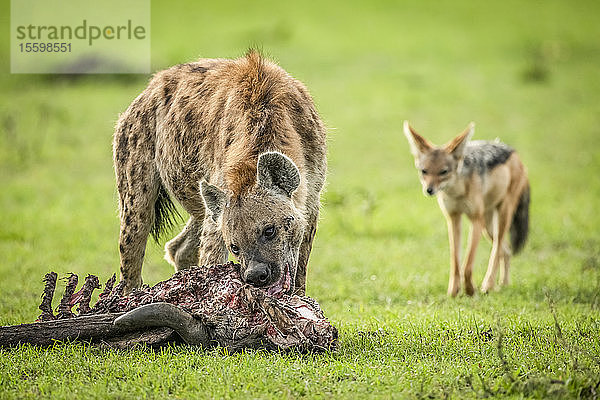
283,285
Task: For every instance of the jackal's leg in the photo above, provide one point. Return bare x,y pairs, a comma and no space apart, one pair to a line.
136,203
489,225
304,253
477,223
212,247
454,239
182,251
505,271
501,225
505,251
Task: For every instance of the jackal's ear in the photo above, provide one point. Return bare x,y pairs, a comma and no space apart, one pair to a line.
456,146
418,144
214,199
277,171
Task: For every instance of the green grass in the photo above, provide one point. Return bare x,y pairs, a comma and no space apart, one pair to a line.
527,72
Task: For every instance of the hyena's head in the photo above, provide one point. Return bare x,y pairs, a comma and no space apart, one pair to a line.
262,228
437,166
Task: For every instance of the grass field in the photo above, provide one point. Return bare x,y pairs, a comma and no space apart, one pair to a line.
527,72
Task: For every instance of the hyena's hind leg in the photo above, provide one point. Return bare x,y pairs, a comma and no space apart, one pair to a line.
183,250
212,246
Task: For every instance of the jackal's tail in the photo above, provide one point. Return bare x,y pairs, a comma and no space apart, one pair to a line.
166,214
520,223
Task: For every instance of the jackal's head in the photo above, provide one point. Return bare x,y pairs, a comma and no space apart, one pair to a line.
261,227
437,166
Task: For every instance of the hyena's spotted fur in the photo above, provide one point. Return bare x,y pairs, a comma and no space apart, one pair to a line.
213,120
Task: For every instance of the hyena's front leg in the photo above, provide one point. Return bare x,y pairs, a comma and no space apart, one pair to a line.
212,247
454,239
304,254
137,195
183,250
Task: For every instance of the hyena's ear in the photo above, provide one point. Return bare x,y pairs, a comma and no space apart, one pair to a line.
456,146
418,144
214,199
277,171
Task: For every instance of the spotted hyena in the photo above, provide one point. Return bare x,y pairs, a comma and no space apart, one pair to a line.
239,144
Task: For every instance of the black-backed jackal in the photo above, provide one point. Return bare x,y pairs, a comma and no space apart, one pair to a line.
484,180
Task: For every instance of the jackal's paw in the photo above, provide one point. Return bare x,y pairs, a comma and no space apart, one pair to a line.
486,288
453,288
469,289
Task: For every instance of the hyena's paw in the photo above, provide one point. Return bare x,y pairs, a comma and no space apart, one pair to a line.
131,285
181,253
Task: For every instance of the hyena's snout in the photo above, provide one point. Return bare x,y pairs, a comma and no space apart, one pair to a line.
258,274
276,280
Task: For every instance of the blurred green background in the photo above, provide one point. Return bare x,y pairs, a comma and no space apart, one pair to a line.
527,72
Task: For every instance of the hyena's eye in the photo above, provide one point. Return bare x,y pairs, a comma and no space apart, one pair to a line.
269,232
235,250
443,172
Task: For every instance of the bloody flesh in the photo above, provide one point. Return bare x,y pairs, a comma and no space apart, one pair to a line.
235,314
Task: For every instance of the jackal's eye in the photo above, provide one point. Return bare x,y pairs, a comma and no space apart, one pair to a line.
269,232
424,171
235,250
443,172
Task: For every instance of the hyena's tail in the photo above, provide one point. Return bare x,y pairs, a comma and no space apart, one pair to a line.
166,214
520,223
